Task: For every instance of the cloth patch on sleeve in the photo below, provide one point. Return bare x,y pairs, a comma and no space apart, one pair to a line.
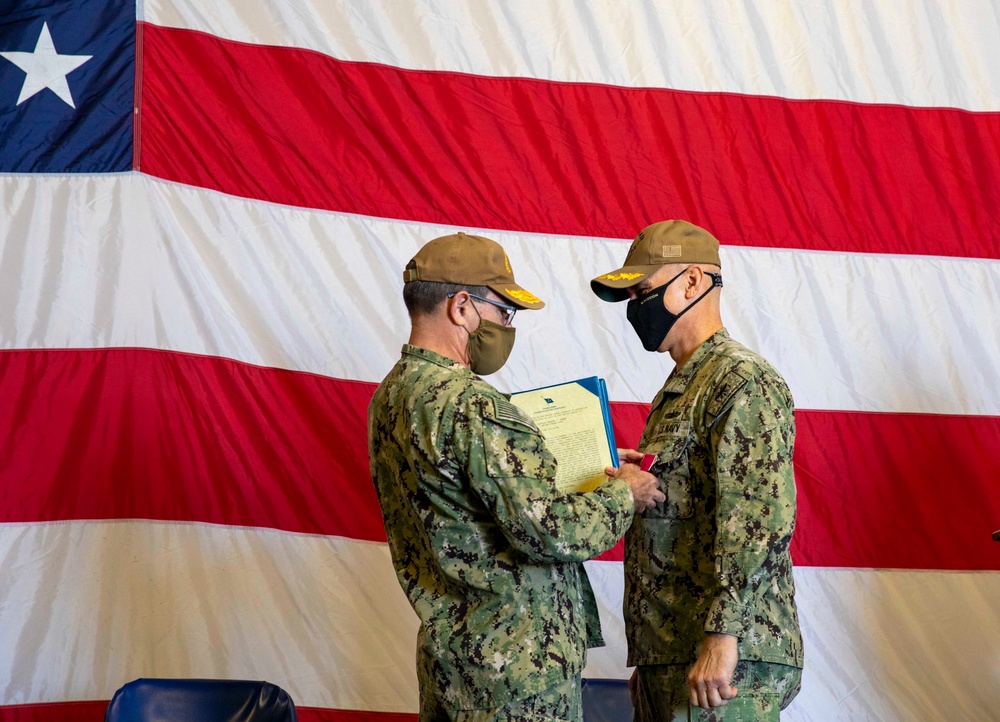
507,412
732,384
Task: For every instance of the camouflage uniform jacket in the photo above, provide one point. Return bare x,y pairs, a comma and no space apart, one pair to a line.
714,556
486,550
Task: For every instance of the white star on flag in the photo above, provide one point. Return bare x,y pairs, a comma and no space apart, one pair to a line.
45,68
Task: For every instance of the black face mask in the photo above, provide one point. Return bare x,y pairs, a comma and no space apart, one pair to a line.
651,319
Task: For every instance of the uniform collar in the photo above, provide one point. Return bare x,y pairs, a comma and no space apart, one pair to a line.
435,358
680,378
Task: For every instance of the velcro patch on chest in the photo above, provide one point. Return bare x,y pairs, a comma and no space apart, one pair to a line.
731,385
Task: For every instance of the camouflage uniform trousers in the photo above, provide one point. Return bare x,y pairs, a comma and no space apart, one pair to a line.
764,690
560,703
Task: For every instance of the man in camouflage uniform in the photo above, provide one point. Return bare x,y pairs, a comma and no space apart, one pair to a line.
709,596
487,551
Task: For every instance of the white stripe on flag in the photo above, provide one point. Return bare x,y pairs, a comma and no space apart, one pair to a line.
302,611
90,605
909,52
862,631
153,264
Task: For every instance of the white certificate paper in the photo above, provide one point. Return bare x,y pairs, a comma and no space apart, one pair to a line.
572,420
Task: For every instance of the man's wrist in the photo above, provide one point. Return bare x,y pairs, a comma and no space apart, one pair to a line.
720,638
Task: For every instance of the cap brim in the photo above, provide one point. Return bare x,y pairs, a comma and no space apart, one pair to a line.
518,296
613,286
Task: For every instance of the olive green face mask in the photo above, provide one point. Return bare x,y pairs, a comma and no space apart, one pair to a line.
489,346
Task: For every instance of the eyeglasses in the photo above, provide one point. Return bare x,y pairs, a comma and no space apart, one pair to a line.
506,309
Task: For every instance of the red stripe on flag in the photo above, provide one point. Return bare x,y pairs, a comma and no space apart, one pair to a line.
278,124
163,435
83,711
897,492
144,434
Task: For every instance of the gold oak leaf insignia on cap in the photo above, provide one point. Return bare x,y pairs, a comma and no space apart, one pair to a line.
621,276
524,296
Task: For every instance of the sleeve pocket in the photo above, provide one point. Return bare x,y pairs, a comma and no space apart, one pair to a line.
513,449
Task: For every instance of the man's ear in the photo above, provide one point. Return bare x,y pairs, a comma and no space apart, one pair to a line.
458,308
693,276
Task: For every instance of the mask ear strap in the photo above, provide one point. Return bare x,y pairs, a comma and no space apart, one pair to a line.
716,282
674,278
467,331
471,303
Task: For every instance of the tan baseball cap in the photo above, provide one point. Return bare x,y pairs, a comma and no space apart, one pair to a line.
469,261
656,245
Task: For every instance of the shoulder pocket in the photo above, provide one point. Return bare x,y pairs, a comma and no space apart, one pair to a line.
671,448
507,414
513,447
726,391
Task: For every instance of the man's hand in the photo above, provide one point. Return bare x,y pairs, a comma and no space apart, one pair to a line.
644,486
630,456
709,678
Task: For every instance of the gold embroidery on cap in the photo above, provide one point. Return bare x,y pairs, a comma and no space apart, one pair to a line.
671,251
521,295
621,276
506,263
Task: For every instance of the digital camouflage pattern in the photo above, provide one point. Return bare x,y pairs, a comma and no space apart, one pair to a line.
714,556
485,548
662,694
562,703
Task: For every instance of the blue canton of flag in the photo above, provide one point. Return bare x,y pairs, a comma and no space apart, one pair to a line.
67,86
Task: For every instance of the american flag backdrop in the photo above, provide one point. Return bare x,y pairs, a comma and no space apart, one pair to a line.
205,209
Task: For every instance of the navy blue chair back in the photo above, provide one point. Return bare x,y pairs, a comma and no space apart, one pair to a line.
205,700
606,700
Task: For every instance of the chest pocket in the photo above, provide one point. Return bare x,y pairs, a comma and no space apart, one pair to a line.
671,467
